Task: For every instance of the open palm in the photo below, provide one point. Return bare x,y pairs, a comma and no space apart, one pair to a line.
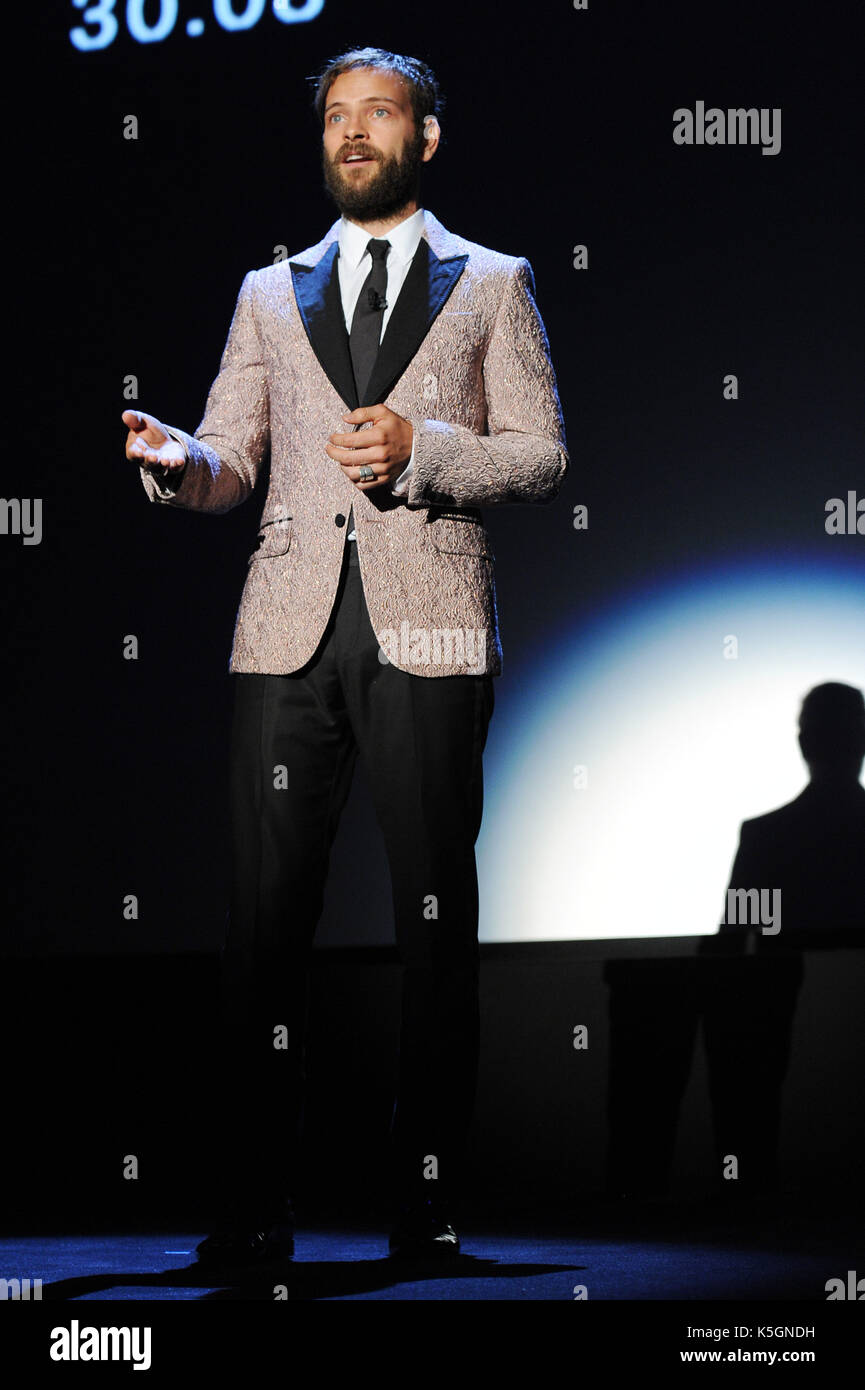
149,444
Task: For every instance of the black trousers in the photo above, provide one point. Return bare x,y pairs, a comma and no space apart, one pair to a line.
295,740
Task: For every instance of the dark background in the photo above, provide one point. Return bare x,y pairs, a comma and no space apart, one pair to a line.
558,130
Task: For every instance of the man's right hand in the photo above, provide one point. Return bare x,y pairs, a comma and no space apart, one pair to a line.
150,445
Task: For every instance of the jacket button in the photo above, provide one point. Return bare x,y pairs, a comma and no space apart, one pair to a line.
339,519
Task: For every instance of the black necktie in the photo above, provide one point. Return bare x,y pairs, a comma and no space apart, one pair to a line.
368,314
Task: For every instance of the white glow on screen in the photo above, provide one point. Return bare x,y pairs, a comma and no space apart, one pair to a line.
680,746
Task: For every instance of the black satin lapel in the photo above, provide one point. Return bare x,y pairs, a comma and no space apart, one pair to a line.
424,293
316,290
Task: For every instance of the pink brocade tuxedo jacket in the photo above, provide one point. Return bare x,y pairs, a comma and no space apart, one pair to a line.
465,358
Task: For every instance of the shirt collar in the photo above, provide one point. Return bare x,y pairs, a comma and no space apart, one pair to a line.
403,238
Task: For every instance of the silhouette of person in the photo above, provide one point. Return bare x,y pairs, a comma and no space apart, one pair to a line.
812,852
813,849
807,858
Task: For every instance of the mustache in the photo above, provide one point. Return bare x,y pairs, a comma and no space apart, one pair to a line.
347,152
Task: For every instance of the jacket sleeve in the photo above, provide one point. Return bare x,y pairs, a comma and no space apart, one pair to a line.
748,871
523,455
225,453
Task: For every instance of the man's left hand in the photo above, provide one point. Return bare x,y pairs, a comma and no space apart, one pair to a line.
386,449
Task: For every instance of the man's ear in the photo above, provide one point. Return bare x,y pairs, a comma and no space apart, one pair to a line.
431,134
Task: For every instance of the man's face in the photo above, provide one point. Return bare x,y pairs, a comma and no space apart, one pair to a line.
371,152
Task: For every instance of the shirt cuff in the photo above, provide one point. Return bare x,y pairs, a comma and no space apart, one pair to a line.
400,487
167,481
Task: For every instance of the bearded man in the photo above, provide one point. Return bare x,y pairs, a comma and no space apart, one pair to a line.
398,377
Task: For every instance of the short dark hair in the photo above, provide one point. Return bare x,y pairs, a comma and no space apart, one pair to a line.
832,721
419,78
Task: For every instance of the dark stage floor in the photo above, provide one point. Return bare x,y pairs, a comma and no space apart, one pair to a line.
617,1250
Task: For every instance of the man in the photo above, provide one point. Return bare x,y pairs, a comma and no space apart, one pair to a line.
367,623
802,862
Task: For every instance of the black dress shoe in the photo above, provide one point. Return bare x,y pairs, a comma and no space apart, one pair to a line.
243,1245
424,1230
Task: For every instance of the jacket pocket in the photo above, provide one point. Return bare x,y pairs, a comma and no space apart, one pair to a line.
458,533
274,538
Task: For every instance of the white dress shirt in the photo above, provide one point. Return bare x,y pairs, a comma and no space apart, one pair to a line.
354,264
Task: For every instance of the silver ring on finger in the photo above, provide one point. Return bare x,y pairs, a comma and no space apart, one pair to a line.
366,473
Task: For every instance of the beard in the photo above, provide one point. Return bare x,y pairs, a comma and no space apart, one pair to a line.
385,192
